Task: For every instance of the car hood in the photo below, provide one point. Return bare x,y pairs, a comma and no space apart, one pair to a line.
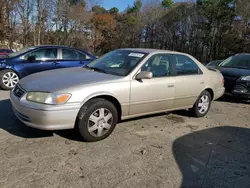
60,79
233,72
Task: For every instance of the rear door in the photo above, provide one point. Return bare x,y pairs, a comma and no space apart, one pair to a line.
189,82
45,59
73,58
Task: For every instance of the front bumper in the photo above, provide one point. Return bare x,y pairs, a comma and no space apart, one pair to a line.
240,91
44,119
243,96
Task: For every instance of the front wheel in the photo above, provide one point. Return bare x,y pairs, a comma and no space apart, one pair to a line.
202,105
8,79
96,120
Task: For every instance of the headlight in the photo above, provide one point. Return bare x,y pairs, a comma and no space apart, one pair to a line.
48,98
246,78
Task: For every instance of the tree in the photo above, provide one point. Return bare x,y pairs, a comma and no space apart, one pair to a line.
167,3
104,26
98,9
114,11
206,29
136,7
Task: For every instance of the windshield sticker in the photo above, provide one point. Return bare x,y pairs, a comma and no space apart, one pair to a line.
136,55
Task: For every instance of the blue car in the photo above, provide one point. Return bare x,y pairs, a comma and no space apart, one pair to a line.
39,58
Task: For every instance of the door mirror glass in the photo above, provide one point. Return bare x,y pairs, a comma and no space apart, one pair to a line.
31,58
144,75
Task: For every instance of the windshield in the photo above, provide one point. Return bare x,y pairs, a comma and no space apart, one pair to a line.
239,61
20,52
214,63
118,62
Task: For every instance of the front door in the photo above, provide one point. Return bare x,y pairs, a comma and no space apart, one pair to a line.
156,94
189,83
45,59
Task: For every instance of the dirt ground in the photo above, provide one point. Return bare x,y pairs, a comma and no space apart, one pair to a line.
165,151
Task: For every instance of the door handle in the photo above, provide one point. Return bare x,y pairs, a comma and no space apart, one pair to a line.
201,82
55,63
170,85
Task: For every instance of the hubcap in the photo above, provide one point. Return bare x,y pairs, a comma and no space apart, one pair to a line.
10,79
203,104
100,122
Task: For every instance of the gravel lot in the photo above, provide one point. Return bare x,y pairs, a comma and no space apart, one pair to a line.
167,150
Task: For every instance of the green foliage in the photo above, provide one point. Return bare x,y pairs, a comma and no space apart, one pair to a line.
136,7
166,3
77,3
130,20
114,11
98,9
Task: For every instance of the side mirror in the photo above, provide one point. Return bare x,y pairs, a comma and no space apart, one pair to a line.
144,75
31,58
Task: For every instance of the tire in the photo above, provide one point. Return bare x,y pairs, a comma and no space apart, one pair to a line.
197,111
4,76
91,124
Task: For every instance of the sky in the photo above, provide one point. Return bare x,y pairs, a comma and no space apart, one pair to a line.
120,4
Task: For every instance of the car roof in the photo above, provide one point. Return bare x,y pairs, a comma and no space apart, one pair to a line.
147,50
58,46
242,54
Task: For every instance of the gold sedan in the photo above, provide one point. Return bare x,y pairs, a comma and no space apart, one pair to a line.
122,84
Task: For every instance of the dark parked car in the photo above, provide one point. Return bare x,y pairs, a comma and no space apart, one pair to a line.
214,63
39,58
5,52
236,72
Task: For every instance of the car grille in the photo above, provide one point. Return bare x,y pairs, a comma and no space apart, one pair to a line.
240,89
18,91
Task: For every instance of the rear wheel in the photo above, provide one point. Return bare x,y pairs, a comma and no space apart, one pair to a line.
96,120
202,105
8,79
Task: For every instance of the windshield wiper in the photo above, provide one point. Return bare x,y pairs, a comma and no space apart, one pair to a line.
95,69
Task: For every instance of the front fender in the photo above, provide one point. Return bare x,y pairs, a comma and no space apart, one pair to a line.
96,94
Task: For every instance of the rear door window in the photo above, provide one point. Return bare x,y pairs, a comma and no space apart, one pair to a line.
69,54
184,65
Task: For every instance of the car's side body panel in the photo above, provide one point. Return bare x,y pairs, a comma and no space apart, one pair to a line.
150,95
136,97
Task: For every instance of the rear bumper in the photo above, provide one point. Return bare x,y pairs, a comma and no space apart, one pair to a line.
44,119
219,93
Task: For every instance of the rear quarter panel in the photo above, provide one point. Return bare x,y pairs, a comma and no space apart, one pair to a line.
213,79
215,82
